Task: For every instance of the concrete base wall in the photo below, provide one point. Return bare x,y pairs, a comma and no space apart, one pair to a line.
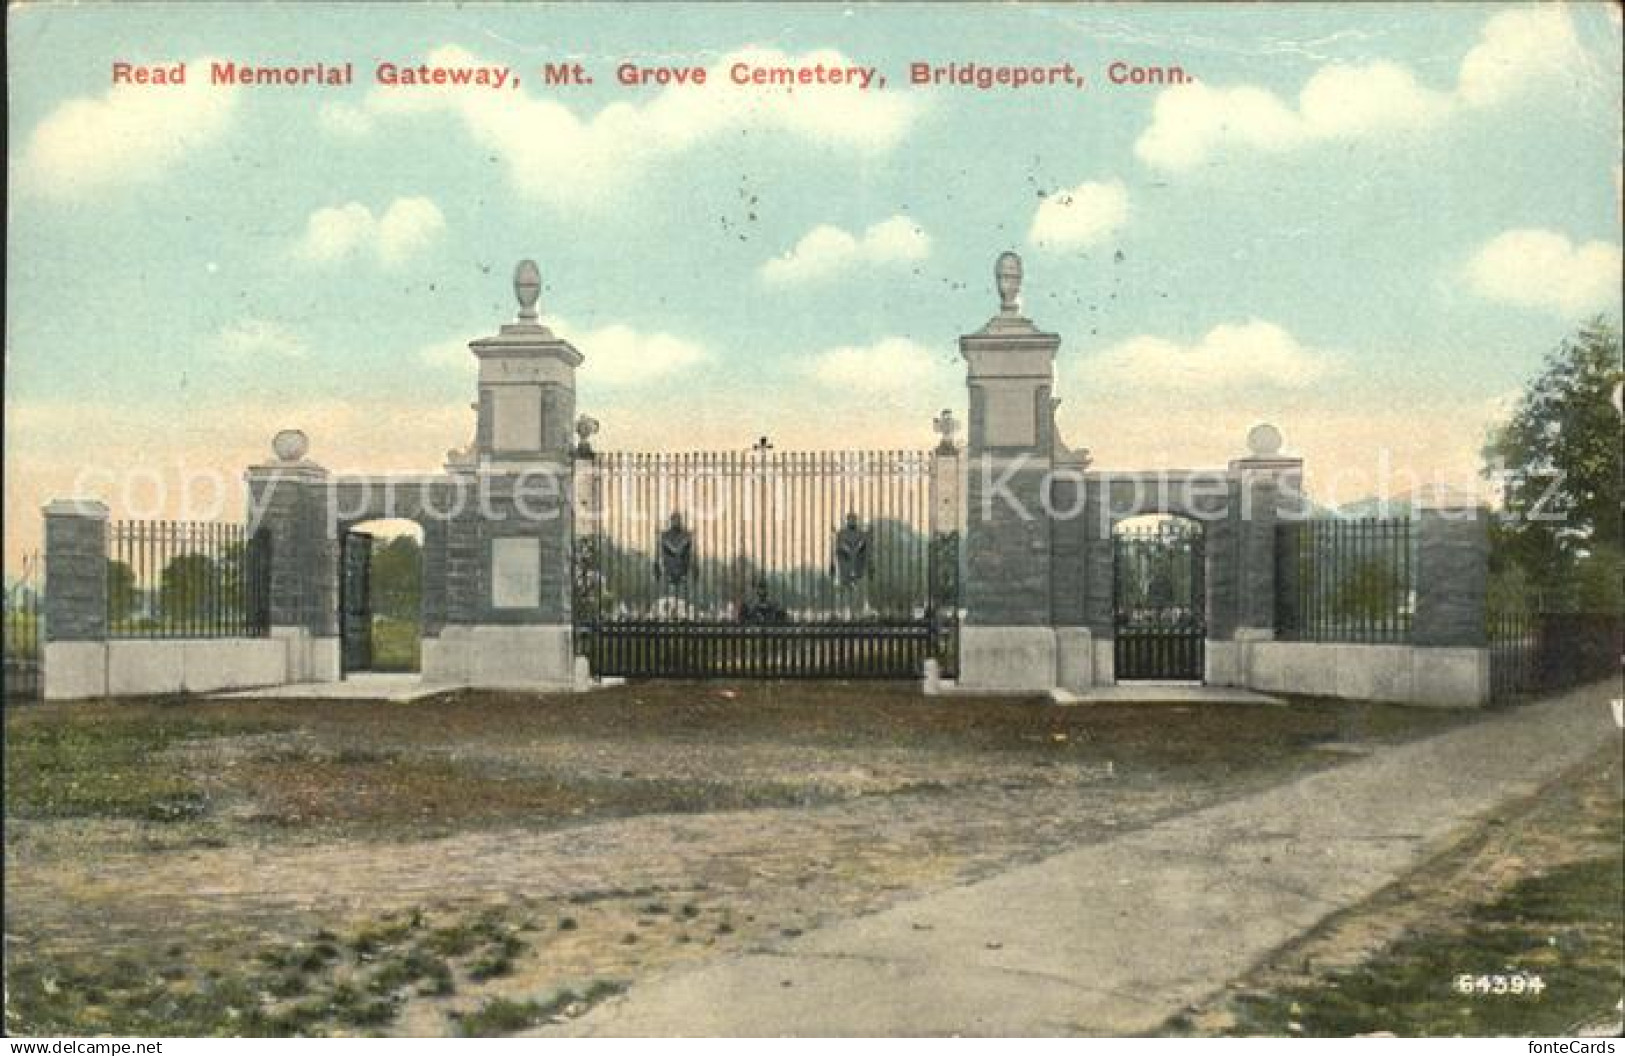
1105,662
1400,674
142,667
1222,663
75,670
1074,658
311,658
1452,678
500,657
1007,659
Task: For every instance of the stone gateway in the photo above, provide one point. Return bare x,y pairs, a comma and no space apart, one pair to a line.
1011,565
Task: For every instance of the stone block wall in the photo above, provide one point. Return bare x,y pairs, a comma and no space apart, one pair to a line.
75,571
1452,578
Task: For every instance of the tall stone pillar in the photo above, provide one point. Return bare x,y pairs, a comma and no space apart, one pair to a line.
1007,642
1266,488
1448,630
288,498
75,599
508,564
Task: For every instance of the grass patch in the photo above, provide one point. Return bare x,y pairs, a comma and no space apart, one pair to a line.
499,1016
397,645
355,982
1563,926
104,767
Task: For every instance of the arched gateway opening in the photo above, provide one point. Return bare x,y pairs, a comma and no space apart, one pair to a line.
381,597
1159,597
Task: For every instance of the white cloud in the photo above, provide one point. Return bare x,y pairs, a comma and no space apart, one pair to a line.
1083,216
408,226
133,132
616,355
552,155
335,232
1515,48
1190,122
256,339
825,251
1537,268
621,355
1345,102
1254,353
405,228
891,364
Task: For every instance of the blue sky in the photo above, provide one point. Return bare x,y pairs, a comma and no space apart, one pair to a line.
1366,224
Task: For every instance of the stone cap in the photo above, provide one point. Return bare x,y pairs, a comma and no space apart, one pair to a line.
1265,466
303,470
93,508
519,339
1014,334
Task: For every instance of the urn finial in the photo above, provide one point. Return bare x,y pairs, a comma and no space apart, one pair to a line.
946,425
586,429
1264,441
290,445
527,287
1007,276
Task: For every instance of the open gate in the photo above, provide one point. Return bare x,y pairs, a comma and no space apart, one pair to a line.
1159,601
765,564
355,601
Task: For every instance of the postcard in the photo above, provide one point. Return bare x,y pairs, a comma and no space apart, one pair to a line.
839,520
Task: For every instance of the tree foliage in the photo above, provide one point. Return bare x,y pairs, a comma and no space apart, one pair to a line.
121,590
1559,460
188,587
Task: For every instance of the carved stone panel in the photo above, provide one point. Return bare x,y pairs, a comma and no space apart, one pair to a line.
516,565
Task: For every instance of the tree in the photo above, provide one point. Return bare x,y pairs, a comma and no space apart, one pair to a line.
1558,457
121,596
1371,592
188,588
397,578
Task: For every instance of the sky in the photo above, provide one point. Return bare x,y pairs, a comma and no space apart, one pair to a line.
1364,224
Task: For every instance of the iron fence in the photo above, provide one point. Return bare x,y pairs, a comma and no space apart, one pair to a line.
23,631
765,563
640,649
1345,580
186,579
1540,652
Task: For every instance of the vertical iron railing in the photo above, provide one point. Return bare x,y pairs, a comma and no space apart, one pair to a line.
1533,652
1340,580
768,587
1514,640
187,579
23,631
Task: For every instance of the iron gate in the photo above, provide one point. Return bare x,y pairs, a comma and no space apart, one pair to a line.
765,564
24,632
355,601
1159,601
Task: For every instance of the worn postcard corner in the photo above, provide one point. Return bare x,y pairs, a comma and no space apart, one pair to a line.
768,520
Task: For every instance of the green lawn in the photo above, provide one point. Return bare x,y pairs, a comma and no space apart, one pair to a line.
396,645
